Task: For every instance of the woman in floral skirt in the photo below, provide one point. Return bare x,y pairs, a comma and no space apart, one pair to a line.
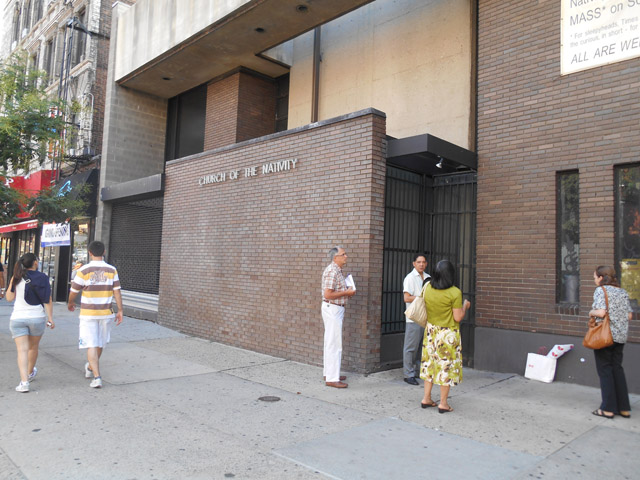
441,350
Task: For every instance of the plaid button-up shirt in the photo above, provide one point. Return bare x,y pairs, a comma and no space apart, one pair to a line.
333,279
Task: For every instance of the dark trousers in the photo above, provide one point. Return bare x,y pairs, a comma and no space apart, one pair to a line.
613,384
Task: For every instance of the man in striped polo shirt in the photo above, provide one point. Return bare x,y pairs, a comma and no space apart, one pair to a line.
99,283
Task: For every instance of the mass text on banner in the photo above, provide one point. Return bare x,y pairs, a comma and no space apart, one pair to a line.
598,32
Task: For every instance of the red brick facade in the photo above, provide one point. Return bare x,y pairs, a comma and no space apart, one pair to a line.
239,107
533,123
242,259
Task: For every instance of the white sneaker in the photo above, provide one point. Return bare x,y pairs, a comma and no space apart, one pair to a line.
87,371
23,387
33,374
95,383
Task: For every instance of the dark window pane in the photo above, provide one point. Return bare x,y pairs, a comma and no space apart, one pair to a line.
191,120
628,230
282,103
185,123
568,209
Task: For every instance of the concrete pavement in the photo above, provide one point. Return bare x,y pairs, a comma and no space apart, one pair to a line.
176,407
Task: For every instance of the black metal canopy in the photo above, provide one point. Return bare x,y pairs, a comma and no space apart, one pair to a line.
430,155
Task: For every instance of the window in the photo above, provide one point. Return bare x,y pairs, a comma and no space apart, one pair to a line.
27,16
627,230
185,123
38,10
16,23
282,103
48,60
568,228
79,40
33,66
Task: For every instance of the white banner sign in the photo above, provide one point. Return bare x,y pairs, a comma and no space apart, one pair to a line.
598,32
56,235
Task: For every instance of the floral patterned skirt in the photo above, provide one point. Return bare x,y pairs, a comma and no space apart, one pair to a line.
441,356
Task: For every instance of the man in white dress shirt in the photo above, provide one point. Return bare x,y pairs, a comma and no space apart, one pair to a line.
413,334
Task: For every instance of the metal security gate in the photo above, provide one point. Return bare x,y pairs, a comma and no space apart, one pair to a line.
435,216
136,240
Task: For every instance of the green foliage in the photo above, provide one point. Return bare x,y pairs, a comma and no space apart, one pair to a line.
49,206
28,123
10,202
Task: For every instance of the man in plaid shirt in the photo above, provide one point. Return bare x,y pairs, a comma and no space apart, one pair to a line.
334,298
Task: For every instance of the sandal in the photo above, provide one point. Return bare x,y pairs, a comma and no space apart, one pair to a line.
445,410
625,414
600,413
427,405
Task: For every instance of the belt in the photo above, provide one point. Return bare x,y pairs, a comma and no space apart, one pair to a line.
331,303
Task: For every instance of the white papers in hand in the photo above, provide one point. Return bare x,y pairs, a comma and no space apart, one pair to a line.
349,282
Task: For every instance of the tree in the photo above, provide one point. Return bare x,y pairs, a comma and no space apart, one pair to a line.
51,206
10,202
30,120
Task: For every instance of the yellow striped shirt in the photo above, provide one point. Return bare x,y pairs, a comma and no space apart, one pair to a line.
96,280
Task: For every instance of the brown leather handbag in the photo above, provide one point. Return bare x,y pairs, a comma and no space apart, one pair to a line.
599,334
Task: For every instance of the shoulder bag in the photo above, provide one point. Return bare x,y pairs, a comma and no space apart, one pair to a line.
417,311
599,334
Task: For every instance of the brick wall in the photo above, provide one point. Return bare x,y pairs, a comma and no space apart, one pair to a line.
532,123
222,112
242,259
240,106
99,89
256,107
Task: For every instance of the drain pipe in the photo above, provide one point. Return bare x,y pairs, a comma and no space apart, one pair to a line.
316,75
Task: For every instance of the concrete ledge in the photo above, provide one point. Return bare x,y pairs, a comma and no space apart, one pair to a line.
506,351
137,189
140,305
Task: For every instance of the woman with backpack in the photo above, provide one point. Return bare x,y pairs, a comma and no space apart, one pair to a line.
33,309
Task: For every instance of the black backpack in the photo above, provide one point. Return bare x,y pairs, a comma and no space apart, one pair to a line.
31,294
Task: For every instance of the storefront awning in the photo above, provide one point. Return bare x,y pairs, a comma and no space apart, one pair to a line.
15,227
430,155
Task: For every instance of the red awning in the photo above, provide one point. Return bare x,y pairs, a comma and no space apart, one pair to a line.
14,227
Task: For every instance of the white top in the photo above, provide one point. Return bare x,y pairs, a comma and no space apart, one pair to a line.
413,286
22,310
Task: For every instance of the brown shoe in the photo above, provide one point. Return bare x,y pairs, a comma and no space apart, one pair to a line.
336,384
342,378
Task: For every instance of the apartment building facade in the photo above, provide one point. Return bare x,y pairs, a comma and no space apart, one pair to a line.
69,40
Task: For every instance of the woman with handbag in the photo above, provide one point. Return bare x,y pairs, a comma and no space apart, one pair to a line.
30,312
610,298
442,349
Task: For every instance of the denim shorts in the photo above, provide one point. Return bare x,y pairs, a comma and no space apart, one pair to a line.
27,326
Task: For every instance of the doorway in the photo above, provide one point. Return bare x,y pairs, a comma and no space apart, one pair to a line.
434,215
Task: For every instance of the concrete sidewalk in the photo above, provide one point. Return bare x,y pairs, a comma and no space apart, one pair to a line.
175,407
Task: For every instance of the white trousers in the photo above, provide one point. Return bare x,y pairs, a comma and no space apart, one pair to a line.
332,316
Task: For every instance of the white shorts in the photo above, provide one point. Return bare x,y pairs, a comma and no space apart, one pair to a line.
95,332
